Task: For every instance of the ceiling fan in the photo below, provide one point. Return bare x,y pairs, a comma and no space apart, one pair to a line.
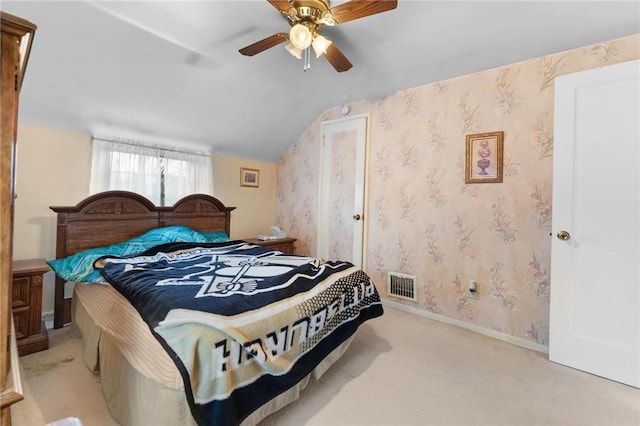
306,18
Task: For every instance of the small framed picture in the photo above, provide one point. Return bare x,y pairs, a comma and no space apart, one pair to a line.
249,177
483,159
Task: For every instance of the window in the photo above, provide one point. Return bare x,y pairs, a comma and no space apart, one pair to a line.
163,176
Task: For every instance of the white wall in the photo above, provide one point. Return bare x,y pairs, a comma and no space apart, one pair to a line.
255,207
53,169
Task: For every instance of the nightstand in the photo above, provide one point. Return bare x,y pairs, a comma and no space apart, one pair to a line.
285,245
26,302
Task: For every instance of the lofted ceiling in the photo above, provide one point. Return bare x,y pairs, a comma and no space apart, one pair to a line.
170,73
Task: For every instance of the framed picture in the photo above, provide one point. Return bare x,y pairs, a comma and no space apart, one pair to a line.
249,177
483,160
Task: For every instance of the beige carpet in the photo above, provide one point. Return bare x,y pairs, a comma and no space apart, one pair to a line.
400,370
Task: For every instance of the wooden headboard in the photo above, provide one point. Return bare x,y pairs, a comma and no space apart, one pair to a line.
114,216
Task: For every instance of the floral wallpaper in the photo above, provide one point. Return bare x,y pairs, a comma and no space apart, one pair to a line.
422,217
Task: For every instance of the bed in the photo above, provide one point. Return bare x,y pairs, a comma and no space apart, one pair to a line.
155,370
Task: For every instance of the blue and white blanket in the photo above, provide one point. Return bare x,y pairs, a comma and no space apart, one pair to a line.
242,323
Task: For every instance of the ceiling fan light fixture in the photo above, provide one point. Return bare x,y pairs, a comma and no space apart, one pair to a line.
327,18
307,17
294,50
300,36
320,45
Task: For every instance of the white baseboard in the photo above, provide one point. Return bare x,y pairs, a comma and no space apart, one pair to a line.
472,327
47,317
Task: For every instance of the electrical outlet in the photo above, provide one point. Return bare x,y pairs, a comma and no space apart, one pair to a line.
473,291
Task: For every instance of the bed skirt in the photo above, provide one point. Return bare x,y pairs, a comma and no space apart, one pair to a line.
140,383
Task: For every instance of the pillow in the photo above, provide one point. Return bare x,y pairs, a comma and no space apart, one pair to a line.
216,237
79,267
170,234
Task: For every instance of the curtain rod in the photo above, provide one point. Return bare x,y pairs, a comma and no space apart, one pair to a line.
133,142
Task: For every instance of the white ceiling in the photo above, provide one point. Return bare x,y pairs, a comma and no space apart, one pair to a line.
170,73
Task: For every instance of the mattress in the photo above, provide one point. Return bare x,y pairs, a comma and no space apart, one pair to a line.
141,384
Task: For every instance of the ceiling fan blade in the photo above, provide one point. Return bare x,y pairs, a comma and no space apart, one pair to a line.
282,5
337,59
264,44
356,9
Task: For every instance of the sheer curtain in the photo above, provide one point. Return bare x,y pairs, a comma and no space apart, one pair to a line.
162,175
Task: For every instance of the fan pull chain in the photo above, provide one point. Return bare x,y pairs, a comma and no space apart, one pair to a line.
307,59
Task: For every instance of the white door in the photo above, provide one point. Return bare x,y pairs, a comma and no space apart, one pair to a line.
342,189
595,279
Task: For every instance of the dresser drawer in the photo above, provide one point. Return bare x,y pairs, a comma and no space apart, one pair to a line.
285,245
286,248
20,292
26,304
21,322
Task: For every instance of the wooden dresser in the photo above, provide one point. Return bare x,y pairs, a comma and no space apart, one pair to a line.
26,300
17,36
285,245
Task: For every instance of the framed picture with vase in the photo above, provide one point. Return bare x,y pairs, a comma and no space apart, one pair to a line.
483,159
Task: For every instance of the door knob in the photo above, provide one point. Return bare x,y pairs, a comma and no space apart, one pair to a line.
563,235
356,216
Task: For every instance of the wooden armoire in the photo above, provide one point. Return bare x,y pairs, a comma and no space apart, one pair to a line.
17,36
